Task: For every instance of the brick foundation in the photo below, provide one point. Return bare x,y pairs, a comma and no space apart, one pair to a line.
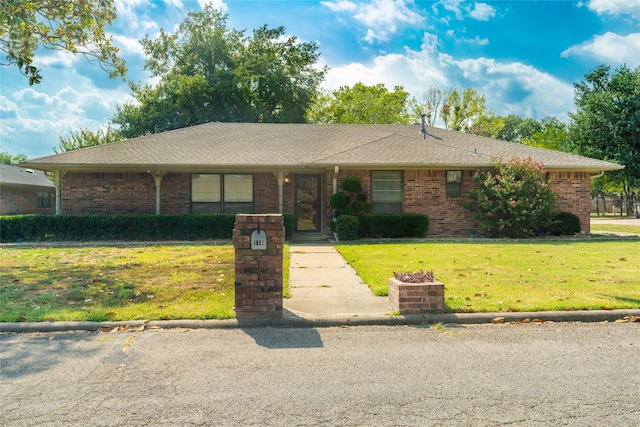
416,298
258,282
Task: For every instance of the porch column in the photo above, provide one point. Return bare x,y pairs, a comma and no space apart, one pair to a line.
336,169
58,174
157,177
280,177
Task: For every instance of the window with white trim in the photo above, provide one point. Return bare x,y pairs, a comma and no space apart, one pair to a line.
221,193
386,192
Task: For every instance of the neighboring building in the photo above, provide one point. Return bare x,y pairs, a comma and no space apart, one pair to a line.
255,167
25,191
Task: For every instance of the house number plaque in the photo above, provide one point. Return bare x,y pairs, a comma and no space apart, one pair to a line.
258,239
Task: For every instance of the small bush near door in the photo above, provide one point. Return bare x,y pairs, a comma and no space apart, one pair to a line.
347,227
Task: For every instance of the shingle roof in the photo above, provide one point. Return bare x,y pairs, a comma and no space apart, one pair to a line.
13,176
292,146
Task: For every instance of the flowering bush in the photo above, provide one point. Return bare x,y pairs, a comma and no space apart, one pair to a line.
513,199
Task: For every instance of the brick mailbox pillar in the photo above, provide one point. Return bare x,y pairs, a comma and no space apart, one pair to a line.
258,241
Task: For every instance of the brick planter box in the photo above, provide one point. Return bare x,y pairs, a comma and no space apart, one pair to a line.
416,298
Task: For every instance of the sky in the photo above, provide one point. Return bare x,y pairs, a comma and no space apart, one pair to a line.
524,56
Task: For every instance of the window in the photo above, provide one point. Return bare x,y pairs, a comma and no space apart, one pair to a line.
454,183
386,192
44,199
221,193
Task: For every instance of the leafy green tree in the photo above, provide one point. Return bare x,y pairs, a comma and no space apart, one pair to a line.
362,104
86,138
65,25
9,159
515,128
606,124
552,135
467,113
208,72
513,199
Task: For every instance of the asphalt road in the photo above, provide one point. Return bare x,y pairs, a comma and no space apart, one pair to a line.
559,374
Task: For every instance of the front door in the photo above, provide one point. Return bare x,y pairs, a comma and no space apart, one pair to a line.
307,203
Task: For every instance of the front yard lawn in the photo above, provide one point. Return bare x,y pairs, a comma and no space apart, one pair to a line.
117,283
512,276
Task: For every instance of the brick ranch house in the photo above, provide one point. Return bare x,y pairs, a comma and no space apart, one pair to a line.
25,191
295,168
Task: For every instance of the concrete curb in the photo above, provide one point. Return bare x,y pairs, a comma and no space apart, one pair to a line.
323,322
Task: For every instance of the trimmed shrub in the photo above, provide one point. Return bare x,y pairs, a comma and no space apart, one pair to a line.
347,227
351,184
38,228
400,225
289,224
564,224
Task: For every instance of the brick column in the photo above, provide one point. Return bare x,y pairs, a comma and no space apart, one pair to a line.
258,284
416,298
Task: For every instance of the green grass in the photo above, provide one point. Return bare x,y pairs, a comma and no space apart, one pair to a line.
512,276
595,228
108,283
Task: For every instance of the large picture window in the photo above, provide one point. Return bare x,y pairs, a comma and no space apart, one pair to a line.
386,192
221,193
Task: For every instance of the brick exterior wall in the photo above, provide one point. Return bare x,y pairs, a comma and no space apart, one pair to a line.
424,191
21,201
574,195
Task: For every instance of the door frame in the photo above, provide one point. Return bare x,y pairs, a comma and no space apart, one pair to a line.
317,220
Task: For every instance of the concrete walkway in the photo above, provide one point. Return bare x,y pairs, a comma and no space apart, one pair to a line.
323,285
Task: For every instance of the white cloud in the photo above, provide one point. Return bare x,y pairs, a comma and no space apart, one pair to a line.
128,45
609,47
340,6
616,7
510,87
388,13
381,17
482,12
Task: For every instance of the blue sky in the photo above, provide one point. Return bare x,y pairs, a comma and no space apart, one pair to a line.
524,56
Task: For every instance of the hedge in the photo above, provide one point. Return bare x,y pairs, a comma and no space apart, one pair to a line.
399,225
42,228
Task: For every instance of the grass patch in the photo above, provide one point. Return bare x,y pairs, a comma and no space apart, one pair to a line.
109,283
512,276
615,228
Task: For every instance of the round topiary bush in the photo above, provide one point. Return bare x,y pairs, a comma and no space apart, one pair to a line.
351,184
347,227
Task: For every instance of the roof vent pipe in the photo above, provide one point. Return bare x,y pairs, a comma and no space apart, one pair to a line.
423,128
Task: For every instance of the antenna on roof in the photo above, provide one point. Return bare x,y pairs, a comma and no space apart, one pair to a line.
423,128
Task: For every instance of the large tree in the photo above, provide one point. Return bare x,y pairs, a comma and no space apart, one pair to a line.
76,26
606,123
86,138
516,128
552,135
468,113
10,159
208,72
362,104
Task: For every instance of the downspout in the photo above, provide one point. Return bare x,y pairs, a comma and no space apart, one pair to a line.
598,175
